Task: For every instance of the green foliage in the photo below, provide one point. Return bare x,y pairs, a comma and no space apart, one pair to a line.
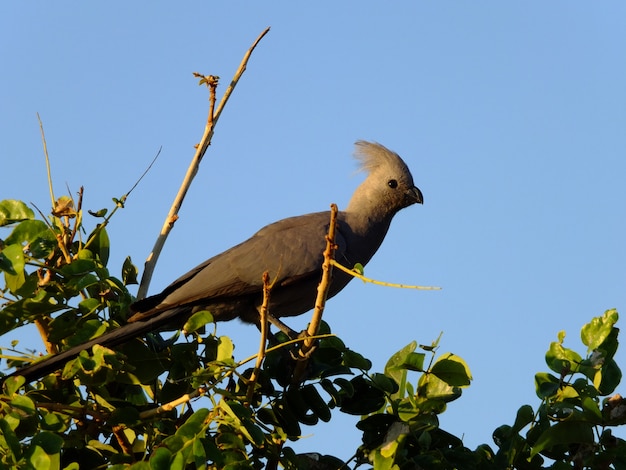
184,402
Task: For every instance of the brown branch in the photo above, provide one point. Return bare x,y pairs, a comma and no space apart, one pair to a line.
172,216
122,440
173,404
267,287
43,327
320,301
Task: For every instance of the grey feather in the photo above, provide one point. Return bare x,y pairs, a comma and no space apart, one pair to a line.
229,285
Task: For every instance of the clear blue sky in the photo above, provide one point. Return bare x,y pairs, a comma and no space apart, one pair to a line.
511,116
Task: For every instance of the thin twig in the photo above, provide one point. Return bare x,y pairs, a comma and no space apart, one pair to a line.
78,220
320,301
282,345
173,404
358,275
45,152
191,172
267,288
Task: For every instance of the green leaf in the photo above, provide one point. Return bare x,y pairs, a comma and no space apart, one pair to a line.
12,211
354,360
563,433
49,442
286,418
315,402
199,454
88,330
297,404
525,416
197,321
359,269
366,398
36,235
129,272
591,410
562,360
79,267
160,459
384,383
225,350
432,387
329,388
414,361
395,367
9,440
23,405
88,305
100,244
597,330
546,385
13,384
607,378
100,213
12,262
39,459
452,370
194,426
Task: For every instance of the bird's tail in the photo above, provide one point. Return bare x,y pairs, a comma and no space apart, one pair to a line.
111,339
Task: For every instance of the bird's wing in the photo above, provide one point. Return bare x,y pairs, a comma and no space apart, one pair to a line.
289,250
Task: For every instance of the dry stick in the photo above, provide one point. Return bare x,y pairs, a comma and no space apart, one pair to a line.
173,404
320,301
267,287
45,152
191,171
122,440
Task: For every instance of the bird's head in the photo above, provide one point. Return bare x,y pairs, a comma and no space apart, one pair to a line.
389,185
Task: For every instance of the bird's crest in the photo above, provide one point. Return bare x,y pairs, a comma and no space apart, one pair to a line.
372,156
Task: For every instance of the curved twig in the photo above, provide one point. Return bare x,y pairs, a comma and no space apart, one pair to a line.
201,148
360,276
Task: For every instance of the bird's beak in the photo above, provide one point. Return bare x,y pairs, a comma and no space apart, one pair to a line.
414,195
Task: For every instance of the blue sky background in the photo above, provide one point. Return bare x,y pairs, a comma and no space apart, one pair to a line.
511,116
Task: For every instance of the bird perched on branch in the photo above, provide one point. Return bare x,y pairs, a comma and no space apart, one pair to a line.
230,284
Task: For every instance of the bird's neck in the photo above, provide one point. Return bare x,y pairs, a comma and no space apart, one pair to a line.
368,224
365,214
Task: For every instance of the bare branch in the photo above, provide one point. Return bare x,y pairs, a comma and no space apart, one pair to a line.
173,404
267,287
201,148
320,301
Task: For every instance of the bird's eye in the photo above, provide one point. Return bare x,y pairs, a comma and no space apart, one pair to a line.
393,184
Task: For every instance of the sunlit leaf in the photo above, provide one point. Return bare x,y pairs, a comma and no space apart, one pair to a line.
197,321
12,211
452,370
596,331
12,263
561,359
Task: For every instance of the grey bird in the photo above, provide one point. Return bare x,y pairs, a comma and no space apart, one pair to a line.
229,285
